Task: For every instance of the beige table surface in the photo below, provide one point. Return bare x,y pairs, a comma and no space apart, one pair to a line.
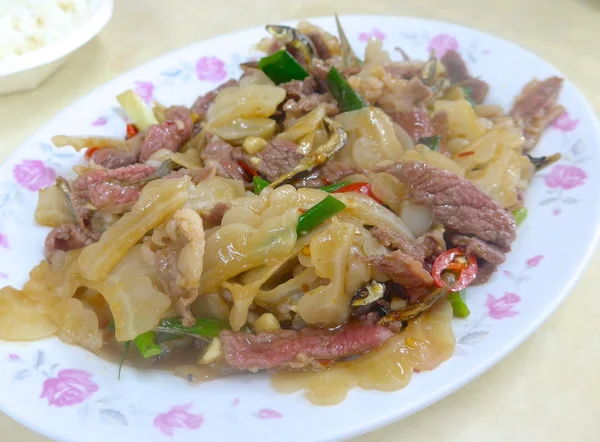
546,390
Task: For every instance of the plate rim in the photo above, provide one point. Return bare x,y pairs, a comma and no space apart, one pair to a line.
486,363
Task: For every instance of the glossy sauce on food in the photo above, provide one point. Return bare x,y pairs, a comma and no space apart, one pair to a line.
426,342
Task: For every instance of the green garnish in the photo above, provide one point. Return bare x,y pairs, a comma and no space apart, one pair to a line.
333,187
347,98
204,327
469,95
259,184
146,344
127,344
281,67
319,213
459,307
431,142
520,215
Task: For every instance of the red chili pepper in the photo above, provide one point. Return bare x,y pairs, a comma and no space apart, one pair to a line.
466,154
364,188
447,261
90,152
132,130
250,171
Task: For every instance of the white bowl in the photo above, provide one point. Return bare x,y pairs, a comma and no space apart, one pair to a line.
30,70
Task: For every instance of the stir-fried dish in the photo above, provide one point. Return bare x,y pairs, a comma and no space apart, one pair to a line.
320,218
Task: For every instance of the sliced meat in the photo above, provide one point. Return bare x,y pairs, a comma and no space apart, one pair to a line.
113,158
203,102
432,243
390,238
329,173
219,154
536,107
416,123
297,89
277,158
170,135
405,97
296,108
440,127
406,271
197,175
484,273
477,247
404,70
424,247
459,73
68,236
457,203
113,190
291,349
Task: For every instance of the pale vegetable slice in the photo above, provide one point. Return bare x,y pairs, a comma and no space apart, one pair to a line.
371,138
267,322
59,279
22,319
240,128
370,213
158,201
462,120
205,195
236,248
304,125
137,306
423,154
328,304
213,352
253,101
137,111
79,143
77,325
53,208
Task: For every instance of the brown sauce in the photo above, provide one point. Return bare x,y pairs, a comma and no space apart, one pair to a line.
426,342
423,345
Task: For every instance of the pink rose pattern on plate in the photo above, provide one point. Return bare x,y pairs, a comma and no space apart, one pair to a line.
373,33
69,387
145,89
496,308
565,123
3,241
267,413
210,69
100,121
442,43
178,417
72,387
499,308
565,177
34,175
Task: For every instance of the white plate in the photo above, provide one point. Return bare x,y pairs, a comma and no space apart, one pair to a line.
46,384
31,69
